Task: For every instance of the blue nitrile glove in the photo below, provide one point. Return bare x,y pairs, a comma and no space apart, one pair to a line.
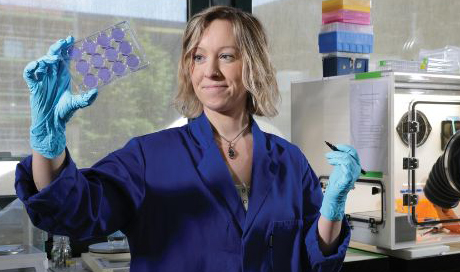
342,179
51,101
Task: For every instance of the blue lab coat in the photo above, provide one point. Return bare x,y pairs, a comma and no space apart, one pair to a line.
172,194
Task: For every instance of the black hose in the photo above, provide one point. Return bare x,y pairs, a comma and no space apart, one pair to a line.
438,190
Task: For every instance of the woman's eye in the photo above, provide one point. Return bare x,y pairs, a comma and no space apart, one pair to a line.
198,58
228,57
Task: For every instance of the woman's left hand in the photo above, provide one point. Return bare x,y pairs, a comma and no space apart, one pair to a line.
346,171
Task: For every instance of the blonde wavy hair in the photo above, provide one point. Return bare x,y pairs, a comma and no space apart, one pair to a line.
258,74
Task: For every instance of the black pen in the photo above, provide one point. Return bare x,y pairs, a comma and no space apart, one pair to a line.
333,147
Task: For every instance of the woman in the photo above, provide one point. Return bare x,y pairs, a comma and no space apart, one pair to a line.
217,194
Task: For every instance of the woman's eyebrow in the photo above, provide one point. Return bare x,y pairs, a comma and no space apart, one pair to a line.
220,48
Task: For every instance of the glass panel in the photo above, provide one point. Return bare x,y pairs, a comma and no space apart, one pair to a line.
371,204
131,106
436,182
370,207
435,106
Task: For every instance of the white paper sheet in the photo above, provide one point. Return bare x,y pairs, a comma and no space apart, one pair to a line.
369,123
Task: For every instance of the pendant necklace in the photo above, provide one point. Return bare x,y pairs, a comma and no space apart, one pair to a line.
231,144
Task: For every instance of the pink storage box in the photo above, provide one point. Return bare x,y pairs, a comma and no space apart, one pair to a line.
347,16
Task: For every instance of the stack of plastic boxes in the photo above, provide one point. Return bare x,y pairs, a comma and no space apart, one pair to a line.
346,38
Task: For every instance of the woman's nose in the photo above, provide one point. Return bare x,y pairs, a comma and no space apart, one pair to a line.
215,73
212,69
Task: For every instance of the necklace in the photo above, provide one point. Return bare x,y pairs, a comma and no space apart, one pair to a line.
231,144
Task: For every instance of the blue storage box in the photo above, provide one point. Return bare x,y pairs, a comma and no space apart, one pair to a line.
341,41
336,66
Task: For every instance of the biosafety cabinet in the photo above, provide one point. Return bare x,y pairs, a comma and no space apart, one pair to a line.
403,126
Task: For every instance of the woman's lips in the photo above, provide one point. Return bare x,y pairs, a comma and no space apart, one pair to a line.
215,87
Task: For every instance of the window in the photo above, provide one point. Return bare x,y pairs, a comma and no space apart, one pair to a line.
12,48
135,105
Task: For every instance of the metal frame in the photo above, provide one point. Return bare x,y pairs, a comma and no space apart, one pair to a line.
371,220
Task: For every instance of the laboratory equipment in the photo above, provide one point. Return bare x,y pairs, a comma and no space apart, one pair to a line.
441,60
21,244
345,42
346,16
27,257
109,256
106,257
346,27
401,66
104,56
341,63
358,5
118,240
61,254
372,111
342,41
340,37
424,128
443,184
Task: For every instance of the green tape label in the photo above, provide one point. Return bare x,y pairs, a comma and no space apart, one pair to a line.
372,174
368,75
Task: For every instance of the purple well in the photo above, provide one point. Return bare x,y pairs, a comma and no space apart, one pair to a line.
125,48
104,74
90,80
74,53
132,61
97,60
103,40
111,54
89,47
82,67
118,68
118,34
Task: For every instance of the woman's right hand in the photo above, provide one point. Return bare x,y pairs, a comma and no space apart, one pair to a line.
51,101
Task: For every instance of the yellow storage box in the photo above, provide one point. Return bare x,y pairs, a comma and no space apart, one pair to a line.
357,5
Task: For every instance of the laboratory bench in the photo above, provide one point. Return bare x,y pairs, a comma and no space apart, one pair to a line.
361,257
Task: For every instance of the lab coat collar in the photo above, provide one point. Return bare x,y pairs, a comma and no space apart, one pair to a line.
264,172
217,178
